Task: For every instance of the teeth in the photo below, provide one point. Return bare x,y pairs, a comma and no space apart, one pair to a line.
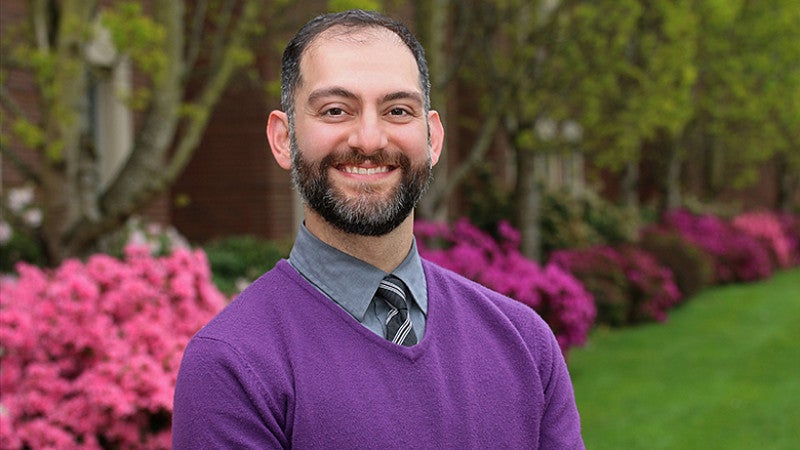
365,171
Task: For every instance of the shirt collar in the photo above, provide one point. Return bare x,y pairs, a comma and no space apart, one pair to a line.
349,281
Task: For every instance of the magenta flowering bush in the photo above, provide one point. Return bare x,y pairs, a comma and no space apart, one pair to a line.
629,285
768,228
90,351
737,256
497,264
653,287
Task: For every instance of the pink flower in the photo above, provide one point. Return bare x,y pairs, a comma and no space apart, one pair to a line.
92,350
561,300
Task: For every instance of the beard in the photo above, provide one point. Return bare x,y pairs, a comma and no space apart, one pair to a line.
368,213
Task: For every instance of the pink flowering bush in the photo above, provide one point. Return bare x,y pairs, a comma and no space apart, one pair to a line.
629,285
769,228
555,294
90,351
737,256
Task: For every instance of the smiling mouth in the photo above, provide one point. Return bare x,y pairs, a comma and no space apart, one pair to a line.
365,170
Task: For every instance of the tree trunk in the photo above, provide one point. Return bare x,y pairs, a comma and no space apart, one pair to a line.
630,185
672,182
528,198
432,18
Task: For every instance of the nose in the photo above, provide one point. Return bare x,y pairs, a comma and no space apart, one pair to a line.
368,134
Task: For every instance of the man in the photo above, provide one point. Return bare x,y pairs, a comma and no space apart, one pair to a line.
355,342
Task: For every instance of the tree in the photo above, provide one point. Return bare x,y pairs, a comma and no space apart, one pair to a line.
171,59
556,71
748,90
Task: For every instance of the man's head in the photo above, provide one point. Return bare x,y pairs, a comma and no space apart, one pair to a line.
357,131
347,21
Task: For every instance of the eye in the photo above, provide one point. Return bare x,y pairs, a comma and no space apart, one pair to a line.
334,112
398,112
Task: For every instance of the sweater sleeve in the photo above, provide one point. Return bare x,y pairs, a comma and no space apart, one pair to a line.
221,403
561,428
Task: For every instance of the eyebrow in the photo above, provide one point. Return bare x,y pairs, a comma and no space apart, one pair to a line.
403,95
342,92
331,92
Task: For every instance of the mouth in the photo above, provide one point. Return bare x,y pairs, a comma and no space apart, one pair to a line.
360,170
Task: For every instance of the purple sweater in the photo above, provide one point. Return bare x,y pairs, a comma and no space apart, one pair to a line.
283,366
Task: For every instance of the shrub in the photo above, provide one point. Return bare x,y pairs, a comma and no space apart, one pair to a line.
737,256
628,284
600,271
790,224
692,268
767,227
238,260
90,352
555,294
585,220
17,246
652,285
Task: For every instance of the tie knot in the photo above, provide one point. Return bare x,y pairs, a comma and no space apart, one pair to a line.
392,290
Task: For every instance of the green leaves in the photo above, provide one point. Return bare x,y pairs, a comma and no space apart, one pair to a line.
138,35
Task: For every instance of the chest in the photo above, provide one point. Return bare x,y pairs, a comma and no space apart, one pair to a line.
465,395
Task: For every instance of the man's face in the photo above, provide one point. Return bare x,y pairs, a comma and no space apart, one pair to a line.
360,150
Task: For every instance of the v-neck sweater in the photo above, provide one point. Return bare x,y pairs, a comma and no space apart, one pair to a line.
282,366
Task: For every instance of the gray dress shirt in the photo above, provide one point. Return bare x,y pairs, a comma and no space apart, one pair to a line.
352,283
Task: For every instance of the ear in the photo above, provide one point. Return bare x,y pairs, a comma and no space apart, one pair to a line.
278,137
437,135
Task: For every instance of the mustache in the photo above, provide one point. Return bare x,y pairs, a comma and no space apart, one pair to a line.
354,157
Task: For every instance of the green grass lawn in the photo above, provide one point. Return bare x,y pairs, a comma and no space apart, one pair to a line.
722,373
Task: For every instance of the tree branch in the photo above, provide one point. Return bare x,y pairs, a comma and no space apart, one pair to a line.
195,36
476,155
40,18
212,91
218,46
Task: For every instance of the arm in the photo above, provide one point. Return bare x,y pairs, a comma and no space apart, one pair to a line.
221,402
561,426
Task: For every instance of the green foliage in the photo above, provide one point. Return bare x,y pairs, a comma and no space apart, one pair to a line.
138,35
21,247
30,134
488,202
639,74
585,220
344,5
241,259
748,89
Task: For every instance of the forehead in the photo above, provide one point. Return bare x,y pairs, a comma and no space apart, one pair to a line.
343,56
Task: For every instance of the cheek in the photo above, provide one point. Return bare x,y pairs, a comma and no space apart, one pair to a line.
415,146
316,142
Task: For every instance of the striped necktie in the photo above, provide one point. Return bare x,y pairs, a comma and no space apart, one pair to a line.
398,323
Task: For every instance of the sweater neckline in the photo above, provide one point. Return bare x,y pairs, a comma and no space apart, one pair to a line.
412,353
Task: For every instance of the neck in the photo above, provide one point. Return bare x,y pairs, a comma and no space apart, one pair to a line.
384,252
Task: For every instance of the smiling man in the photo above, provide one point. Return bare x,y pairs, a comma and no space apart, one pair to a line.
355,341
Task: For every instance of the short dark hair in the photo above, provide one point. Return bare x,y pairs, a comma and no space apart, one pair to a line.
354,20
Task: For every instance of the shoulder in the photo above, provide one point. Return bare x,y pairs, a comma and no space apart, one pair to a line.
263,316
482,303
